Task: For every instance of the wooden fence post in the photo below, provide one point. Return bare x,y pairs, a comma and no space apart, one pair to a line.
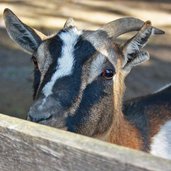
27,146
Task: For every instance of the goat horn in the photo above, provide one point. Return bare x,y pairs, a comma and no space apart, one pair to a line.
69,23
122,25
41,35
158,31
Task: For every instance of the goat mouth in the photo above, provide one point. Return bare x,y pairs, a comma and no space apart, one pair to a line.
40,120
44,120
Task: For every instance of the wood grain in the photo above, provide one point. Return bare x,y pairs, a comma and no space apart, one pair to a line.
26,146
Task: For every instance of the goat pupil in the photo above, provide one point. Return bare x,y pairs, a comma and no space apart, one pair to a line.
107,73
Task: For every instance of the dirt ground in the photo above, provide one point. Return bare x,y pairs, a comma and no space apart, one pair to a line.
15,65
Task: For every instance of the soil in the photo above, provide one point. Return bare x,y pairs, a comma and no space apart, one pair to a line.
16,68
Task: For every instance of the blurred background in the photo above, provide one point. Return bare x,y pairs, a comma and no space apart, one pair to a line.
16,70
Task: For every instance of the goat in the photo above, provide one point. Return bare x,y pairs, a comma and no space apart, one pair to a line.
73,87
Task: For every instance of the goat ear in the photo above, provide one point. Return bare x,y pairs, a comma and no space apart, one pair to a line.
140,57
132,47
69,23
22,34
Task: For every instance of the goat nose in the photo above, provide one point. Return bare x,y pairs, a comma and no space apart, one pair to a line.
38,118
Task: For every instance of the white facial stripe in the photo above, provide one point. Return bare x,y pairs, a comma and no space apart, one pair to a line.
161,143
66,61
96,68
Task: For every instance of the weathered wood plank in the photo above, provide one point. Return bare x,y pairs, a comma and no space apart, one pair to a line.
26,146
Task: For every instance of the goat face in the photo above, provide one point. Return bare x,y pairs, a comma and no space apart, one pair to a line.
70,85
73,70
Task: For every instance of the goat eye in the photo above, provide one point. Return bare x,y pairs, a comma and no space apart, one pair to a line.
108,74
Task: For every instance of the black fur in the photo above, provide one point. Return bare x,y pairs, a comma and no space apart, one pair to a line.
80,121
36,81
55,49
83,50
66,88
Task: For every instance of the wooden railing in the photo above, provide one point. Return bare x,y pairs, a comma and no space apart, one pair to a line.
27,146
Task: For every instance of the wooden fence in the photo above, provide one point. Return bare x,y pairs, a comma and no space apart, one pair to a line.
26,146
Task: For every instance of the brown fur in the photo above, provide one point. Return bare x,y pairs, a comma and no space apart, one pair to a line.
158,116
126,135
121,131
